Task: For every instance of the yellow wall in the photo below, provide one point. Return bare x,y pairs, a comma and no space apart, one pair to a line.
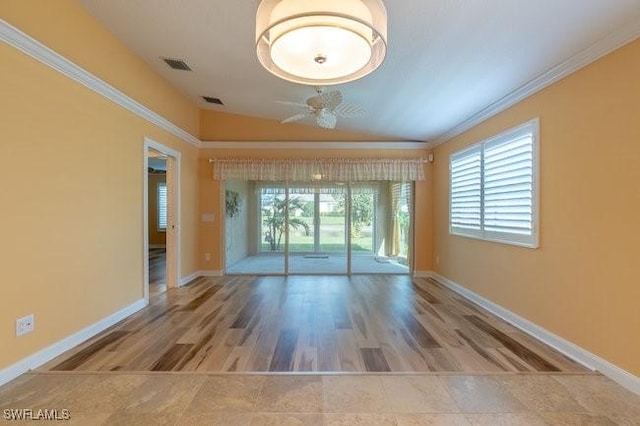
219,126
212,235
156,237
67,28
582,283
72,210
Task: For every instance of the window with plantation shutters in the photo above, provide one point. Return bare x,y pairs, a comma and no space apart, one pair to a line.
493,188
466,192
162,206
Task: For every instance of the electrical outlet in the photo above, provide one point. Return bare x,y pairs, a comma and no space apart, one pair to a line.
437,259
24,325
207,257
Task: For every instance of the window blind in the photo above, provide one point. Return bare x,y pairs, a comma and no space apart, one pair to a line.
466,191
493,192
508,187
162,206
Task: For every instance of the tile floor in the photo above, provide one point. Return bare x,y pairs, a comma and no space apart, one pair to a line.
359,399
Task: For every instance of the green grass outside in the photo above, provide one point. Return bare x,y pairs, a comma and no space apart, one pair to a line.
332,237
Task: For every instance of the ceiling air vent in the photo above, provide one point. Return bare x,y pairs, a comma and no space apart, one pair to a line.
177,64
211,100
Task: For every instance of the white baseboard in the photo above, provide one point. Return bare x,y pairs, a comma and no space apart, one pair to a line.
562,345
186,280
211,273
50,352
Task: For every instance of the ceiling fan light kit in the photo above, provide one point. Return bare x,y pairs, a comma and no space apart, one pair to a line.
321,42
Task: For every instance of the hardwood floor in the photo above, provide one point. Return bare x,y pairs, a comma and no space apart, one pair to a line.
313,324
157,271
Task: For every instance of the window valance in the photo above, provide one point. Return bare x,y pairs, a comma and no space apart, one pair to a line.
324,169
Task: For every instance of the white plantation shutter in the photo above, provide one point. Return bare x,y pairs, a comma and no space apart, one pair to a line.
466,192
493,188
508,188
162,206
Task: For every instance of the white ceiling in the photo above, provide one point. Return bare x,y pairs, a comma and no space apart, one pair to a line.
447,59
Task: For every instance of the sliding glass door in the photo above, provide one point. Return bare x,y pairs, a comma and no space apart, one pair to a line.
380,228
319,247
320,228
272,203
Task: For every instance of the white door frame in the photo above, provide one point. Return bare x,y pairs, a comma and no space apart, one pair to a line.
175,247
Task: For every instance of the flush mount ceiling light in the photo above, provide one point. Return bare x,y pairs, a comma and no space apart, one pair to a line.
320,42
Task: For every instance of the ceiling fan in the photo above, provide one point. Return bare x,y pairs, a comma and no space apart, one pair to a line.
326,107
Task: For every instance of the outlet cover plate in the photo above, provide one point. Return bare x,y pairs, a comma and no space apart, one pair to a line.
24,325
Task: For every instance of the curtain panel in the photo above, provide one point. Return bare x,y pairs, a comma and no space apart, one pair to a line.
305,170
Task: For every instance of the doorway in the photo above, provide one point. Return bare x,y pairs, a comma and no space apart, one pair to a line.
158,218
161,219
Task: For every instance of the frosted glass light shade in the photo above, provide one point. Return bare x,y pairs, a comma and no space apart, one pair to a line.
321,42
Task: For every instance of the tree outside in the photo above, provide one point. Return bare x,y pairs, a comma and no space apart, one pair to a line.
274,211
331,224
362,210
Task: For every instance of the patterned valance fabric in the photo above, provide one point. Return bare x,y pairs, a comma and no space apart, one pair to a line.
325,169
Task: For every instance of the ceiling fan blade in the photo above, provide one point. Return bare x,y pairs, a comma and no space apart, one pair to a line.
326,119
297,117
296,104
347,110
331,99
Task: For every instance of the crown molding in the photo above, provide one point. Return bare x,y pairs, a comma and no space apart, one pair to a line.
314,145
613,41
23,42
